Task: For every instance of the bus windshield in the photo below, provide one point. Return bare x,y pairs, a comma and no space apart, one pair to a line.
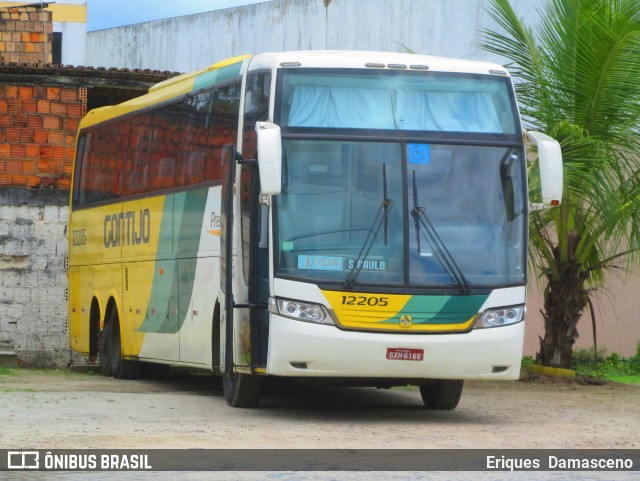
402,213
368,204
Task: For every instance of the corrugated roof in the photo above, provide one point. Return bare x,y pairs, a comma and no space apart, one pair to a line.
106,86
144,75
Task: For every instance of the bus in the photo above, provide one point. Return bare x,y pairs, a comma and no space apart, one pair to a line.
343,216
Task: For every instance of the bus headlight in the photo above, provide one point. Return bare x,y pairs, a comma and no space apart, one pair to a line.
300,311
502,316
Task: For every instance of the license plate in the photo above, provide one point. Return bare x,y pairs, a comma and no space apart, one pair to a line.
404,354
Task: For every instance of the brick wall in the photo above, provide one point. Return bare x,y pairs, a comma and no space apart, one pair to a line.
38,125
25,35
38,121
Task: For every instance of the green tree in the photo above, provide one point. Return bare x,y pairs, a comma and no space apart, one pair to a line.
577,74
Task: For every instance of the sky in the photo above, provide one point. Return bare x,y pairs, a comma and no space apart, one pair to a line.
114,13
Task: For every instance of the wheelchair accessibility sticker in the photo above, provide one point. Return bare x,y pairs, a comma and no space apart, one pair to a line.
418,153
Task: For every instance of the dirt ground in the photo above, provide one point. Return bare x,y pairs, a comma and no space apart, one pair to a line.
61,409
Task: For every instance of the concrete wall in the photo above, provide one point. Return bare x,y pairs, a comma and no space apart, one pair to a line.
73,42
70,18
617,312
33,279
434,27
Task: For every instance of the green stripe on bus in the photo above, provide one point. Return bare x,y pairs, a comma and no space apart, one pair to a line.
188,245
440,309
158,315
217,76
185,223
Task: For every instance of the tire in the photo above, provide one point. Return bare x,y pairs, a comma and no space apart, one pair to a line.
120,368
104,348
441,394
242,390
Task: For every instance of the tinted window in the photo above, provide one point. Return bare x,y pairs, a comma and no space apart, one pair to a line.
176,145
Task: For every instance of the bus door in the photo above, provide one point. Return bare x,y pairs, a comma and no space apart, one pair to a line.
255,260
244,280
226,258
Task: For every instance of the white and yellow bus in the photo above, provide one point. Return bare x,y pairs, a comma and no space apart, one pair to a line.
376,232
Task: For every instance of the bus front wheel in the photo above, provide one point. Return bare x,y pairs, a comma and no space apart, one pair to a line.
441,393
242,390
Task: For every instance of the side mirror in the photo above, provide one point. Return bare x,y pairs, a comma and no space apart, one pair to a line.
550,162
269,157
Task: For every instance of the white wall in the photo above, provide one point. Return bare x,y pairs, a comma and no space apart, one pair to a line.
436,27
74,45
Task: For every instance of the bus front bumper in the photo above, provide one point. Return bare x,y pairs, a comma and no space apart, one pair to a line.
304,349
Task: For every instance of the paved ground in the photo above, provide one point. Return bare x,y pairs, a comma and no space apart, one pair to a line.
58,410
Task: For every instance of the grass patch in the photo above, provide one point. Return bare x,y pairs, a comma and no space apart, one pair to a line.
69,372
526,362
611,367
17,371
626,379
17,389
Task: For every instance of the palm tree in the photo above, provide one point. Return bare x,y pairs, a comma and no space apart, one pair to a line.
577,76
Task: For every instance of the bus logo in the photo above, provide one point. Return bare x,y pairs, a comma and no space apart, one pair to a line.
405,321
23,460
127,228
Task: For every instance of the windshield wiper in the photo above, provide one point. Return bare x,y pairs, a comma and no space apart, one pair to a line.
424,226
380,219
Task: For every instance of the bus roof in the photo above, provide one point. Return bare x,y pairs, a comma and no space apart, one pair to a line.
370,59
191,81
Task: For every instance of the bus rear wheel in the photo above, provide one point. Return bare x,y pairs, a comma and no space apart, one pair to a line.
441,393
104,348
242,390
120,368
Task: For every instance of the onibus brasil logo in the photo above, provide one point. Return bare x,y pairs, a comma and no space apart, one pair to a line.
32,460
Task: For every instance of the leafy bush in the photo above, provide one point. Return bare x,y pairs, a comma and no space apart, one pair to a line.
606,366
526,362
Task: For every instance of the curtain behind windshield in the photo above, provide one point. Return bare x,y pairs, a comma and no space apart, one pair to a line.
397,103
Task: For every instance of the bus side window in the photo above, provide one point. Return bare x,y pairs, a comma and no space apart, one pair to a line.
100,164
137,162
194,168
136,178
82,168
163,173
256,108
